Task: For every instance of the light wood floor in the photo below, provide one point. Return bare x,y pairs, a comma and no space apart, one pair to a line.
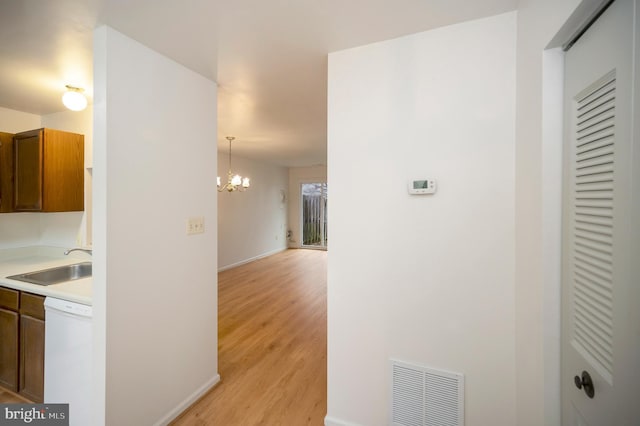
272,341
8,397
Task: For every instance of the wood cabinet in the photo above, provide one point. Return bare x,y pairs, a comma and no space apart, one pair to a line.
48,171
22,333
31,383
9,327
6,172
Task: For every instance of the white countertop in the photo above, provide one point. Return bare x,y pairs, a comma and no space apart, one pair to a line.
28,259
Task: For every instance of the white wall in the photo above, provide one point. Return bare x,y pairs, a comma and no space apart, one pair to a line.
155,288
537,214
298,176
12,121
19,229
56,229
251,224
426,279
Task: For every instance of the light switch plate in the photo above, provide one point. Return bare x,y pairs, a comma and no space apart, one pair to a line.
195,225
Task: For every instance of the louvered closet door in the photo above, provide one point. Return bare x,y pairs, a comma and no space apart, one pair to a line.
600,297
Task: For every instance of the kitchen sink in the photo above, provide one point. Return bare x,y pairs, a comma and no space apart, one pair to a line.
56,275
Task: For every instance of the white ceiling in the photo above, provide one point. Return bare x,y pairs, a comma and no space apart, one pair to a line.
269,57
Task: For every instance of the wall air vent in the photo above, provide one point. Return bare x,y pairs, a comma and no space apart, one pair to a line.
423,396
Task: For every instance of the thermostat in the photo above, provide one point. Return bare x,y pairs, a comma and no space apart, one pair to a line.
422,187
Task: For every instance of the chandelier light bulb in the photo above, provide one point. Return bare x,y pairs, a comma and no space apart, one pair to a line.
236,180
74,99
218,181
245,182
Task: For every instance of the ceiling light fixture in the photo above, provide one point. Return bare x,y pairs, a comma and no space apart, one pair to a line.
234,182
74,99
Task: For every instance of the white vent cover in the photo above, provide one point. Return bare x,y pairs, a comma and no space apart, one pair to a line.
423,396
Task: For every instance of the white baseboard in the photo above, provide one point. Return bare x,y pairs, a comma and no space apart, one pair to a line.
260,256
332,421
176,411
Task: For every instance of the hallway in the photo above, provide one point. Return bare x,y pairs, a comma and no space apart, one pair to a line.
272,335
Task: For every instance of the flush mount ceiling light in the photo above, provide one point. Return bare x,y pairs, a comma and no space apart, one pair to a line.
74,99
234,182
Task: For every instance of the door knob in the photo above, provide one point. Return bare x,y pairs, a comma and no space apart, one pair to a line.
585,383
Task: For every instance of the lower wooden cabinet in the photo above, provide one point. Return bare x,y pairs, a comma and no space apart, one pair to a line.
22,343
31,358
9,323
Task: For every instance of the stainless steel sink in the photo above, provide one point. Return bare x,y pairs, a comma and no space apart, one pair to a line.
56,275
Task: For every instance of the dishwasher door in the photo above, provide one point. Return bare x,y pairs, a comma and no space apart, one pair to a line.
67,358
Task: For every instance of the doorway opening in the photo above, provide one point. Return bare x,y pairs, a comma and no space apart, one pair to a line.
314,215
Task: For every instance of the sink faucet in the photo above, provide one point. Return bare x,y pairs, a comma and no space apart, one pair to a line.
79,249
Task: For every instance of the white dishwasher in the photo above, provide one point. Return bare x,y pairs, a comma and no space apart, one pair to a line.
67,357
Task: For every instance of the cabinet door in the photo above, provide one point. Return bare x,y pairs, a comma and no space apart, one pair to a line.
28,171
63,171
31,358
9,349
6,172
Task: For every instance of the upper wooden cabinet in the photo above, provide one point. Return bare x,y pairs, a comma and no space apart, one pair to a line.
48,171
6,172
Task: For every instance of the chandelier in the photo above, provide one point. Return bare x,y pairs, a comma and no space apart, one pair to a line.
234,182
